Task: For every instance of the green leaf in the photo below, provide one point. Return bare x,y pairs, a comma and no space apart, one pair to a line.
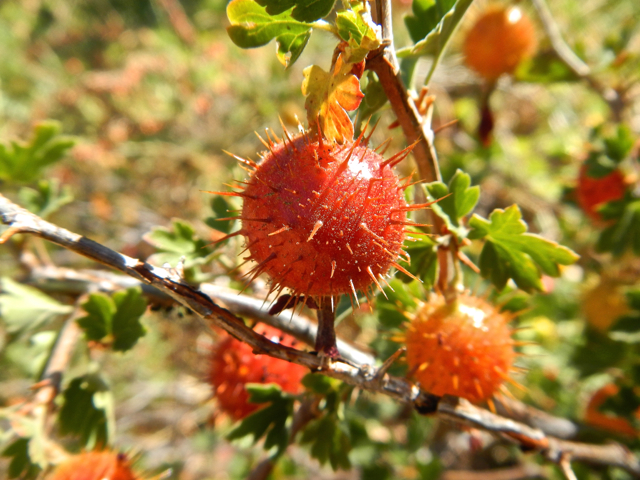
510,252
220,208
180,241
303,10
46,198
618,146
251,26
320,384
431,26
374,96
24,162
356,27
329,441
24,308
461,200
270,420
87,411
424,260
20,465
545,67
116,319
624,232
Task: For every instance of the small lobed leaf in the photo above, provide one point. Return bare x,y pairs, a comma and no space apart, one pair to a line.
172,244
81,415
252,26
617,147
220,207
46,198
511,252
623,233
328,441
24,162
115,319
20,465
431,26
460,200
24,308
424,260
270,420
357,28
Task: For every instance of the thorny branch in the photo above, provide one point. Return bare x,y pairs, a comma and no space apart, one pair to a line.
365,377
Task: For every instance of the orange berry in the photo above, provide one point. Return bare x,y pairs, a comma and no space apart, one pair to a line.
96,465
592,192
233,365
499,40
463,348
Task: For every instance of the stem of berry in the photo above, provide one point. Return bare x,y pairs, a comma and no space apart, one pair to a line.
326,337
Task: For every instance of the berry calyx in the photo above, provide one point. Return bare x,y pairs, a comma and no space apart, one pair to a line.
96,465
233,365
463,348
499,40
324,219
593,192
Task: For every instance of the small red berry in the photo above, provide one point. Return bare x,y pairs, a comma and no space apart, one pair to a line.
104,465
233,365
499,40
463,348
592,192
324,219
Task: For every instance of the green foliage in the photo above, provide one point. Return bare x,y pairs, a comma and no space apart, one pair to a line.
431,27
252,26
20,465
114,320
510,252
623,233
460,200
87,411
270,420
220,207
545,67
328,436
47,198
303,10
424,260
357,29
180,241
24,309
25,163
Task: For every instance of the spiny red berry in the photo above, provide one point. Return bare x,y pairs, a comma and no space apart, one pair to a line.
463,348
233,365
592,192
324,219
96,465
499,40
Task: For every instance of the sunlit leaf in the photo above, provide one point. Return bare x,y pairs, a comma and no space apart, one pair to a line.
24,163
24,308
511,252
46,198
252,26
116,319
303,10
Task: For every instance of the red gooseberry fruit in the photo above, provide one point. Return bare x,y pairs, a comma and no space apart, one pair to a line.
593,192
500,39
323,219
462,348
96,465
233,365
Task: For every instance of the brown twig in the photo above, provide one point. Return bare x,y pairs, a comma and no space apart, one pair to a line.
401,389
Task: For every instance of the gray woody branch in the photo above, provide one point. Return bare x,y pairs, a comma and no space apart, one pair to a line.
366,377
